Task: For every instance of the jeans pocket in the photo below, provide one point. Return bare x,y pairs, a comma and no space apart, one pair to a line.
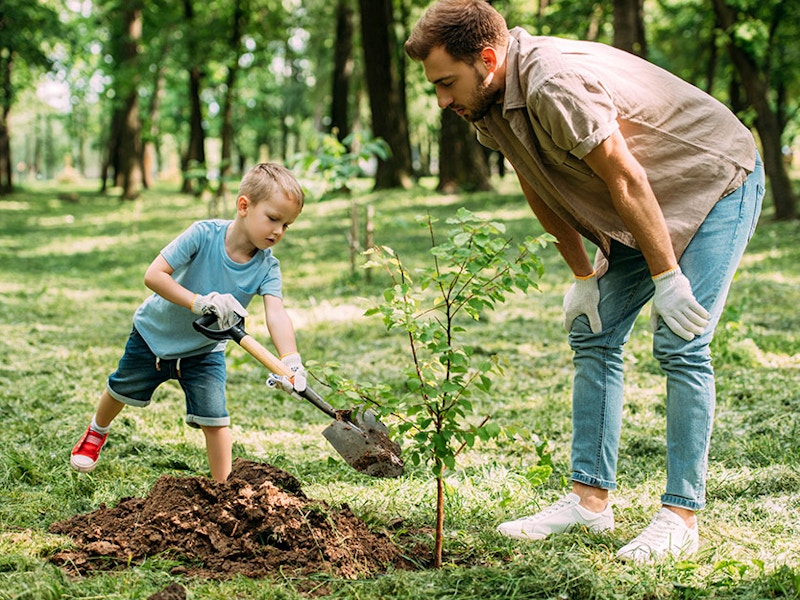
756,211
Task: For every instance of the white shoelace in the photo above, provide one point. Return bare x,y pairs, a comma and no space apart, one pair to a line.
660,530
561,504
95,438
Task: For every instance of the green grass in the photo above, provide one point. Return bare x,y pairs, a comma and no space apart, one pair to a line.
71,276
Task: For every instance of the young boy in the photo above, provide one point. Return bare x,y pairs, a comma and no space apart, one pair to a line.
215,266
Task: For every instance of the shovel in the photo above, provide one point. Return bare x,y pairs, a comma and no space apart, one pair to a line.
356,434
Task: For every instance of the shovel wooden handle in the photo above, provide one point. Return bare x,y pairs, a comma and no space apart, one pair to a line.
275,365
261,354
264,356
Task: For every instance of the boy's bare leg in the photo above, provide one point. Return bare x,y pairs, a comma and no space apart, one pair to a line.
219,447
107,409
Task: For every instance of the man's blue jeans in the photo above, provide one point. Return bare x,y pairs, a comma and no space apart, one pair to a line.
709,263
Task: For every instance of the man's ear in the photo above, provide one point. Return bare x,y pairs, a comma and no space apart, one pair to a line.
242,203
489,58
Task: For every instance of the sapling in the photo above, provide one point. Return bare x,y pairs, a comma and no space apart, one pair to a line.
340,163
473,270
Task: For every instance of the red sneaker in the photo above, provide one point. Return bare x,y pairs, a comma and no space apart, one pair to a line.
87,451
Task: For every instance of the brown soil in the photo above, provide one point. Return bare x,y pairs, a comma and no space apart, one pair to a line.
255,524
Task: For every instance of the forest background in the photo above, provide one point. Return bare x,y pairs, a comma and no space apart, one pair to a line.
131,91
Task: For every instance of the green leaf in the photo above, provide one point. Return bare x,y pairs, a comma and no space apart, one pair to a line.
450,387
462,239
538,475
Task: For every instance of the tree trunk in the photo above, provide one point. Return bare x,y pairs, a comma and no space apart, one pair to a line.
124,147
595,22
462,161
111,162
226,156
80,132
542,8
130,142
6,167
287,118
713,59
152,160
342,70
130,150
767,122
151,148
195,152
37,157
387,106
629,27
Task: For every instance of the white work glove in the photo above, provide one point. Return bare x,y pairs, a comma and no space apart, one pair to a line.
297,383
227,308
674,302
583,298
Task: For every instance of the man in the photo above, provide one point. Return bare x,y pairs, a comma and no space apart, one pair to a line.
664,180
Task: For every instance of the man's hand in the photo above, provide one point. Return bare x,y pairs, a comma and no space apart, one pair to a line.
297,383
583,298
227,308
674,302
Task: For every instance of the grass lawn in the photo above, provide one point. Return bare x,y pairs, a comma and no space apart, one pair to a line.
71,276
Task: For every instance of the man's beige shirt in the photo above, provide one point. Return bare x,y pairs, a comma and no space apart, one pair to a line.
564,97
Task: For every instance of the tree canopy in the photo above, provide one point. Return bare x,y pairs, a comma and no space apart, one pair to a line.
218,85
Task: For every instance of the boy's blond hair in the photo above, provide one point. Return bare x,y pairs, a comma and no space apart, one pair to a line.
262,180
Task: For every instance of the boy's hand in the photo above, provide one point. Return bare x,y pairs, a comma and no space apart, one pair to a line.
227,308
297,383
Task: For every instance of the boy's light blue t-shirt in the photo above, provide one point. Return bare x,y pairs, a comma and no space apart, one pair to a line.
201,265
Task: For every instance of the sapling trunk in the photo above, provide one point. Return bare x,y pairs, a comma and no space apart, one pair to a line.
438,544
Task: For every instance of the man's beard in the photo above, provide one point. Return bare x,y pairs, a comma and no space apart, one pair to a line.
481,100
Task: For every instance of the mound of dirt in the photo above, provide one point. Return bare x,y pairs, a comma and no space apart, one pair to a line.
254,524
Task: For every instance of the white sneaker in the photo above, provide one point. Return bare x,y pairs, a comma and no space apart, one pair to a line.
558,518
666,535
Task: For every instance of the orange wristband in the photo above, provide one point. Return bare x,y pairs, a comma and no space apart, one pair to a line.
665,272
585,277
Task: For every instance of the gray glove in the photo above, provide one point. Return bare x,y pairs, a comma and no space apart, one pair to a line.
674,302
227,308
583,298
296,383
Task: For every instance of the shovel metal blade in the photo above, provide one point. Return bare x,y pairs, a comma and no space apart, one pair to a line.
367,449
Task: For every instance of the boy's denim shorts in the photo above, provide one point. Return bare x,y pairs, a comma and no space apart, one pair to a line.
202,378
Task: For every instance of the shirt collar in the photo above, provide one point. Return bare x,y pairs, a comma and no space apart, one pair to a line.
513,97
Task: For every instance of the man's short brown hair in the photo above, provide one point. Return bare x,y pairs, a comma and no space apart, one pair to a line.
462,27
